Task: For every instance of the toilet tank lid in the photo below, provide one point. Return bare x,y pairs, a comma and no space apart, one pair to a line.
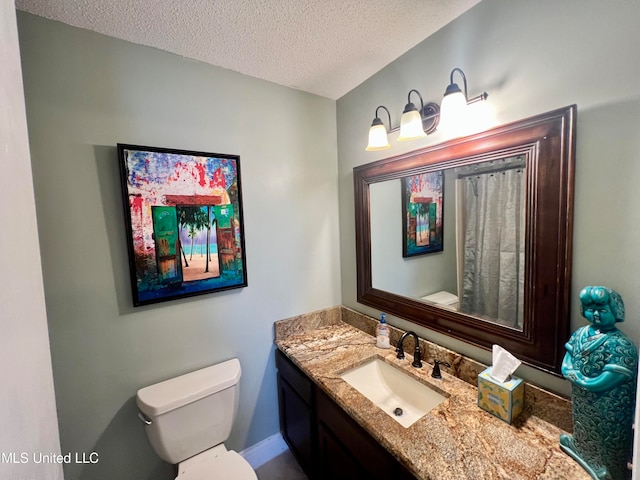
176,392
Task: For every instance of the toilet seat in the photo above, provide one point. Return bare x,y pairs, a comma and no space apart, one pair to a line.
216,463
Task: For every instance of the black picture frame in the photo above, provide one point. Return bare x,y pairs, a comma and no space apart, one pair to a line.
422,213
184,222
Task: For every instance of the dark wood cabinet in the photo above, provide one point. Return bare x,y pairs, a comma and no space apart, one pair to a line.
297,416
325,440
334,459
357,446
295,424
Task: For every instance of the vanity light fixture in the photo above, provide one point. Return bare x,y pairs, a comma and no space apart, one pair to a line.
455,101
425,121
416,123
378,139
411,122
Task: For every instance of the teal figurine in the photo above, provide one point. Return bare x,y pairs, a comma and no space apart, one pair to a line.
602,364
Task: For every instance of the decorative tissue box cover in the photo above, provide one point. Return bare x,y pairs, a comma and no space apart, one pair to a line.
505,400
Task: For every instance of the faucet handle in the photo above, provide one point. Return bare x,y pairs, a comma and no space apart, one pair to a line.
436,368
399,352
417,354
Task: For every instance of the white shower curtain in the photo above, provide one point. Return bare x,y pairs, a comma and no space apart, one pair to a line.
490,214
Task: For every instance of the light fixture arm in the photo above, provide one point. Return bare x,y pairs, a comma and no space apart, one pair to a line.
409,100
388,115
464,81
478,98
482,96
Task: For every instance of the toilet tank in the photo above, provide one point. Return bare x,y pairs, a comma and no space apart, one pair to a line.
191,413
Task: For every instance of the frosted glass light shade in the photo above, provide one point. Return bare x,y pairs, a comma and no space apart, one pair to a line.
453,111
378,139
411,126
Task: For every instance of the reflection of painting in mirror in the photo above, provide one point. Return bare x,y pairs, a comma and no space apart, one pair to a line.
422,206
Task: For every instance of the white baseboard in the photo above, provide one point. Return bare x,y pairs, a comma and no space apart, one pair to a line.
260,453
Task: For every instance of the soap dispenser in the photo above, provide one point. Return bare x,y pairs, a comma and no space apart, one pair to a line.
382,333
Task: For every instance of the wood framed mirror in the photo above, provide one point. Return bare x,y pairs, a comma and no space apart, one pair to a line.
539,152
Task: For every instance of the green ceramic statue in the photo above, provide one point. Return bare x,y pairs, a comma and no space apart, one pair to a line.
601,364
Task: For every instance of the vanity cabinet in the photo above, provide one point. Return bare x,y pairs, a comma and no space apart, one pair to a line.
325,440
296,409
346,451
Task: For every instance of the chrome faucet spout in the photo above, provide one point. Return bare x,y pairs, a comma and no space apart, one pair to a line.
417,353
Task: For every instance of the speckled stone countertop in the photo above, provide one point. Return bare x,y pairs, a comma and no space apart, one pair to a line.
455,441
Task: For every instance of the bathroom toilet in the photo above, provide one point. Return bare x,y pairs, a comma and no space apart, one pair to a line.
188,418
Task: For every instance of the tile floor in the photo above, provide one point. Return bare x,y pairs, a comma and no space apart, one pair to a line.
283,467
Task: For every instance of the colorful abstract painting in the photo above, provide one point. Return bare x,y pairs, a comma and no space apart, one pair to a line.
184,222
422,213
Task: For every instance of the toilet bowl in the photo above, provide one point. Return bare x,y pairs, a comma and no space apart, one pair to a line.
216,463
188,419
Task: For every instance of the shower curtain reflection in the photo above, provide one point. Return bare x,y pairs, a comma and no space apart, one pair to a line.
490,211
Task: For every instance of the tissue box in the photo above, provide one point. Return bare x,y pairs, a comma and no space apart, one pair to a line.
505,400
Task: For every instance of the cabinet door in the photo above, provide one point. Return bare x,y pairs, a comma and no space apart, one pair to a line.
374,461
296,422
334,459
295,377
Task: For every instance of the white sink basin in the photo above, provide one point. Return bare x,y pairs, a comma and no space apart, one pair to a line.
391,389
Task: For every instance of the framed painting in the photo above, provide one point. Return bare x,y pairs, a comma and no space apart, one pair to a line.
422,213
183,214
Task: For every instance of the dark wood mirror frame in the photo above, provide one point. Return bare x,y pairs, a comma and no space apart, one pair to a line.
548,143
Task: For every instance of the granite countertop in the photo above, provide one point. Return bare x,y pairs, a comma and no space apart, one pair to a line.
456,440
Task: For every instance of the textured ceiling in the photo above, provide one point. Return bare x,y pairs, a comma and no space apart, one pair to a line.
326,47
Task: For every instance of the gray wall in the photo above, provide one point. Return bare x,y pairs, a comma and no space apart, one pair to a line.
86,92
531,57
27,405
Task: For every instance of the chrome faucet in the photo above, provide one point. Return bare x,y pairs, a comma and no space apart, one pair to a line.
417,353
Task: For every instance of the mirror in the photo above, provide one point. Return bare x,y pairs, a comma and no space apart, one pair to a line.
478,266
490,216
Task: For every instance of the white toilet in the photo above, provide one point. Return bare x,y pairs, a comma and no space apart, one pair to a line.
189,417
